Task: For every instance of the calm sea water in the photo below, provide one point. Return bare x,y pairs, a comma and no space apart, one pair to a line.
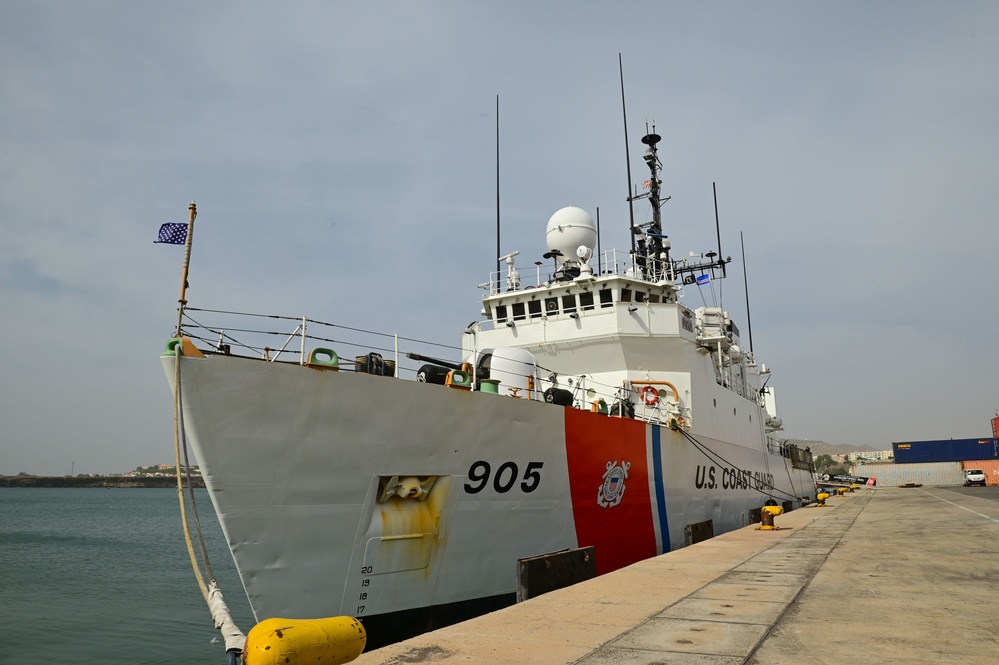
103,576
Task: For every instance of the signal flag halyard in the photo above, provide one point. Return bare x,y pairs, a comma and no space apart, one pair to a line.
172,233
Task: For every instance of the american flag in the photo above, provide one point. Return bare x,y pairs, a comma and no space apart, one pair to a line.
173,233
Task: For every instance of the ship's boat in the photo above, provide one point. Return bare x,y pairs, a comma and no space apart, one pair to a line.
589,408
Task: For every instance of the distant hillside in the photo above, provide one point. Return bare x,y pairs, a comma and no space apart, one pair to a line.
823,448
94,481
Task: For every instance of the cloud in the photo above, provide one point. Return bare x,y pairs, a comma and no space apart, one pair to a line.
21,277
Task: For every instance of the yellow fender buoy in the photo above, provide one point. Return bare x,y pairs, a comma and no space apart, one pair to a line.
297,641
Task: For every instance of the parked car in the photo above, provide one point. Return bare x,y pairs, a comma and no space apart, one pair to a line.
974,477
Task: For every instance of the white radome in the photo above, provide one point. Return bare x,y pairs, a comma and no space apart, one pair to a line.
568,229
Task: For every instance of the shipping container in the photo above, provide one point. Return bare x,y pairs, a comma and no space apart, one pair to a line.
995,427
946,450
938,474
989,466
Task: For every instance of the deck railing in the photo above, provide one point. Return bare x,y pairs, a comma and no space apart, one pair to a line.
280,338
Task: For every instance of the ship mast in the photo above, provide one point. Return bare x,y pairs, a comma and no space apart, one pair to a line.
652,259
654,254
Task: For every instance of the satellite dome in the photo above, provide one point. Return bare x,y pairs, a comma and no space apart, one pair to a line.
568,229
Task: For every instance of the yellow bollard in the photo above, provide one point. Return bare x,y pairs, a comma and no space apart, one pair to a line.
820,498
767,515
297,641
841,491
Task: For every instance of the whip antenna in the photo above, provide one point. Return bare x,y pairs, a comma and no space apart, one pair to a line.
627,159
714,190
498,250
745,281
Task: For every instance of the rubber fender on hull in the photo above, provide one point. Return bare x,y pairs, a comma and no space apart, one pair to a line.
432,374
558,396
298,641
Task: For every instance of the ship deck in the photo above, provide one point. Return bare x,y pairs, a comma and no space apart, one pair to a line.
883,576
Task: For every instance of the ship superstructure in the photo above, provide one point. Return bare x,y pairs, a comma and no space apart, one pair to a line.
616,338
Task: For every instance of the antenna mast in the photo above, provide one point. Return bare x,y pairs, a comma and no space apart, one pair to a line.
600,270
714,190
745,281
498,250
652,253
627,159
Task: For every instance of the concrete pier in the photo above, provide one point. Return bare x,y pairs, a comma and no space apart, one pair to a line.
879,576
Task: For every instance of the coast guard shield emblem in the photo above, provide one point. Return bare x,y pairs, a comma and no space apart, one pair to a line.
611,491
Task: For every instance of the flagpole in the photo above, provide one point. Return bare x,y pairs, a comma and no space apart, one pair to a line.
193,210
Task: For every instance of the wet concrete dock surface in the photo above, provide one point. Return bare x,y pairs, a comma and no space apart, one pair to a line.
884,576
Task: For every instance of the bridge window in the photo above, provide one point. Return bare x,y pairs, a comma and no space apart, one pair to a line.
606,297
625,295
569,304
534,308
518,311
586,300
551,306
500,313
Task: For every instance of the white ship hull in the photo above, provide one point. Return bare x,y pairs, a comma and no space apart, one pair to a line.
346,493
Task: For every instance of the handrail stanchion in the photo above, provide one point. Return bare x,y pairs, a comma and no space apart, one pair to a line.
301,357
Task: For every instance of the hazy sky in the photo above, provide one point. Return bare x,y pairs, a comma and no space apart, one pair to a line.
342,157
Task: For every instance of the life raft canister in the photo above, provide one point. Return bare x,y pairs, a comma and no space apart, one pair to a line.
649,395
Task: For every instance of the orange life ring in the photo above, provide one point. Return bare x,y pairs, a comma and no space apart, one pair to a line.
649,395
